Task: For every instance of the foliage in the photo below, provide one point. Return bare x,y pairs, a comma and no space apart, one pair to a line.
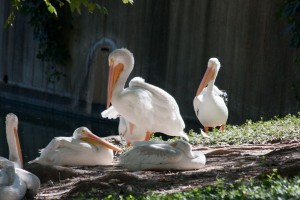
261,132
51,21
289,10
272,186
48,29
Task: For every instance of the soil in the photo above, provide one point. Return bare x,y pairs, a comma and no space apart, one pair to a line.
229,162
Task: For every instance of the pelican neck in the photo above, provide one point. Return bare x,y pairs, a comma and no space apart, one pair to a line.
210,85
120,84
12,147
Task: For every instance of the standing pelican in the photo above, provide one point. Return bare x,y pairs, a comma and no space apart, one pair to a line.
84,148
129,134
15,183
209,106
142,104
137,134
156,155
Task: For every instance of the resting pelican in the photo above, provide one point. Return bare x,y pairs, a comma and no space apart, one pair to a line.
84,148
156,155
209,106
129,134
142,104
15,183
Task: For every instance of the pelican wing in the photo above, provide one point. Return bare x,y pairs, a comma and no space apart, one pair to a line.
61,148
197,104
152,142
16,183
55,144
162,101
110,113
150,156
7,172
32,182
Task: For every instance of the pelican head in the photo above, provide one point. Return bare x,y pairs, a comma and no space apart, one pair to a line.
120,60
83,133
15,154
211,73
184,147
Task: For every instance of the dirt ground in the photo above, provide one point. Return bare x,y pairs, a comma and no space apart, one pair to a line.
229,162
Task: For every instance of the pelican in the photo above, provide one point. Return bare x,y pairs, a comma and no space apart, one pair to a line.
209,105
83,148
142,104
137,134
129,134
15,182
156,155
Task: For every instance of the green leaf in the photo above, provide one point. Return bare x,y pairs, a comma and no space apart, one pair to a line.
128,1
75,5
103,10
9,20
61,4
50,7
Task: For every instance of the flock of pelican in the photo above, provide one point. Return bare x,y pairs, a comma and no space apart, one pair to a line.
143,109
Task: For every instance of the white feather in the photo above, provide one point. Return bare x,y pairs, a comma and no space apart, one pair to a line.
155,155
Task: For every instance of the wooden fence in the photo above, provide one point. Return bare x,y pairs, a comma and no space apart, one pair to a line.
172,41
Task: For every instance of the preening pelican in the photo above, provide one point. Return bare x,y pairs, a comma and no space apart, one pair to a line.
15,183
156,155
142,104
84,148
125,131
209,105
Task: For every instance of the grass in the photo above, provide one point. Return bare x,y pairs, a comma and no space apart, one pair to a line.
272,186
261,132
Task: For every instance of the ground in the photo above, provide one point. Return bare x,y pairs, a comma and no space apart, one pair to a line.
231,162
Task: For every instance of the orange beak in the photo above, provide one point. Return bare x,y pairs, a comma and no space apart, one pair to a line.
114,73
18,146
94,139
208,76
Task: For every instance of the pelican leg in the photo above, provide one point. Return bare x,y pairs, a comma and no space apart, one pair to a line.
222,128
131,126
206,129
148,136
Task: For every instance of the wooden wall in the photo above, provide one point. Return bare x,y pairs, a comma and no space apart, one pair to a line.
172,41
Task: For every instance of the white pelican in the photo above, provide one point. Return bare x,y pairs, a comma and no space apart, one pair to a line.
209,106
15,183
129,133
84,148
142,104
156,155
